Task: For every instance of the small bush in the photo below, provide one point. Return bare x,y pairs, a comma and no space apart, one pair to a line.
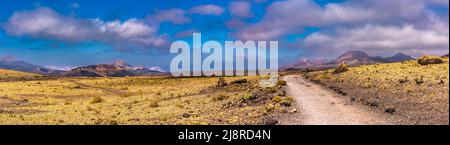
247,97
281,83
277,99
240,81
271,90
427,60
402,81
220,97
125,95
97,99
270,107
419,80
67,103
287,101
154,104
341,68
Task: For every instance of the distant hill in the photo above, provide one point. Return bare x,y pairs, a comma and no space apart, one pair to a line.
12,74
354,58
305,63
11,64
351,58
399,57
445,55
116,69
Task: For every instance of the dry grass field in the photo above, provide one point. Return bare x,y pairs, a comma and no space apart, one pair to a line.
407,91
137,100
11,75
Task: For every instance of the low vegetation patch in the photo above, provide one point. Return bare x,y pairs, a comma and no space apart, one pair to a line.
341,68
97,99
427,60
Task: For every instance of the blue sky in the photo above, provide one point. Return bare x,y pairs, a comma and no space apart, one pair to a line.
69,33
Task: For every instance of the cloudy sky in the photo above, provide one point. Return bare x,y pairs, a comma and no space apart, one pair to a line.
68,33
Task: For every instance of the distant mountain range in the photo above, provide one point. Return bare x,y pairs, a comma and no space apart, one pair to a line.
351,58
116,69
24,66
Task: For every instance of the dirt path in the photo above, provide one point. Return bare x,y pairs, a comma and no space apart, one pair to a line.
318,106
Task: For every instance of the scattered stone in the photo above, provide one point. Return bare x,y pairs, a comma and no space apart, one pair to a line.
271,82
240,81
389,110
441,82
293,111
186,115
402,81
353,99
221,83
338,90
113,122
271,121
372,104
419,80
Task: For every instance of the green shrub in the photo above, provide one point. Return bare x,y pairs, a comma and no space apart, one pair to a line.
287,101
271,90
97,99
281,83
247,97
276,99
341,68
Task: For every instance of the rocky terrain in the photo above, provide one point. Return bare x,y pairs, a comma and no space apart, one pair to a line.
411,92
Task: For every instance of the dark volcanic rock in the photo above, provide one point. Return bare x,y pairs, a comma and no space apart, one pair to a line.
389,110
240,81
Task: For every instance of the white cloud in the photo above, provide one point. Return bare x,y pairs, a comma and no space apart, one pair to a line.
291,16
375,26
177,16
74,5
209,9
379,39
440,2
64,68
240,9
46,23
